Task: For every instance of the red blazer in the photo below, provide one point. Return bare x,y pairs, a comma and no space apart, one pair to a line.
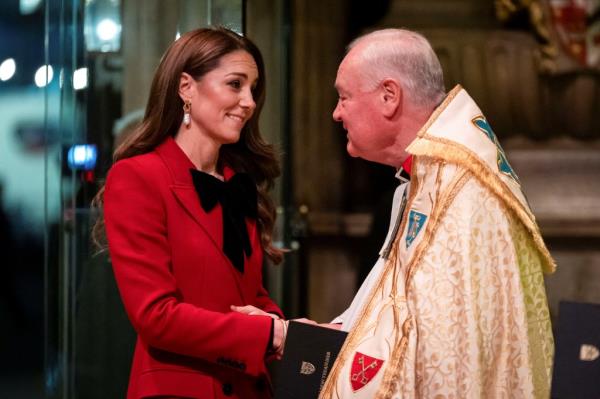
177,284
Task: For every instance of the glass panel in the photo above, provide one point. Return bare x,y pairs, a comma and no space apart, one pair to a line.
65,188
22,147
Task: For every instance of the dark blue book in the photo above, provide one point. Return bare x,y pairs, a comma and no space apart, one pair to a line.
309,354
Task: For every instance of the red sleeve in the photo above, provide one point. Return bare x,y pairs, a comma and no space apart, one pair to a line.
263,301
136,229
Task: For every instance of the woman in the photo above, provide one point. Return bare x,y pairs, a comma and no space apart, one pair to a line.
187,220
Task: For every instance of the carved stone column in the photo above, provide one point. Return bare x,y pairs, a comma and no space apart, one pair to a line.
318,43
318,150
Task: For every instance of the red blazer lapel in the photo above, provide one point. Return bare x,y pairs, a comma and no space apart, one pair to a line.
183,189
210,223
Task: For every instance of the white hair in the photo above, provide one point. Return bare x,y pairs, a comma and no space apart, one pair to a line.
403,55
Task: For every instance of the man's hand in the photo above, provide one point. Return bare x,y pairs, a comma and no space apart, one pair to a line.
336,326
305,321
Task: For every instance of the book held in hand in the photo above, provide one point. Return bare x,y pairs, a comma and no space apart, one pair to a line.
309,354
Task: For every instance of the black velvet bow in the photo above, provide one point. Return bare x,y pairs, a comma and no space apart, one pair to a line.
238,200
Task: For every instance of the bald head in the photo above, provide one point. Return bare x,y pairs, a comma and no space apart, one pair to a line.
402,55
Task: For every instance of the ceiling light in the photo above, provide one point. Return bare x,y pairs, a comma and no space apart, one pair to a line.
80,78
44,75
7,69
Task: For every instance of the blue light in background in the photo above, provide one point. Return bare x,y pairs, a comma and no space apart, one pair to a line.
82,157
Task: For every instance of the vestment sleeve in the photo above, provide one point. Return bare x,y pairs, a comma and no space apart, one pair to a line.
469,304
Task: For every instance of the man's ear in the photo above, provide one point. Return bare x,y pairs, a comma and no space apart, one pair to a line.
186,84
391,97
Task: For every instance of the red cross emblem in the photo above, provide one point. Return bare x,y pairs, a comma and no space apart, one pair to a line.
364,369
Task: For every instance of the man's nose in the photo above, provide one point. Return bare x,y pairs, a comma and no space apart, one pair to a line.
336,113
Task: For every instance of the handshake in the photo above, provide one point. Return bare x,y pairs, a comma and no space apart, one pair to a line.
280,326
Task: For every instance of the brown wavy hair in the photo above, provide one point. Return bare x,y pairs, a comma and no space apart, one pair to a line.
197,53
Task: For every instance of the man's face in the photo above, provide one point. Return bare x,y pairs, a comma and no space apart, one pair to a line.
357,109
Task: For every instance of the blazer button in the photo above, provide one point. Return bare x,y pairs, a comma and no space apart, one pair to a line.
227,389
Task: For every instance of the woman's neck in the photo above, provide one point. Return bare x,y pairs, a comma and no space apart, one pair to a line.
203,152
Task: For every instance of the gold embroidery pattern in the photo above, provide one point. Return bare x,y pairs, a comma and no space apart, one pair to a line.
442,201
467,297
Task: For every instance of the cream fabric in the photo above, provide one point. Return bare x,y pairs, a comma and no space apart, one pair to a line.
348,318
459,309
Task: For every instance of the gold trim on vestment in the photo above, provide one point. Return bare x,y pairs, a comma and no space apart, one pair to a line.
353,335
356,332
441,206
426,144
442,202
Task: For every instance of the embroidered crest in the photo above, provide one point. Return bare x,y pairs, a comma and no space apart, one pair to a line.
588,353
307,368
416,220
364,368
482,124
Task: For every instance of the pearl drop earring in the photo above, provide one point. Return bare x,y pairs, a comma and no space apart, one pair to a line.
187,107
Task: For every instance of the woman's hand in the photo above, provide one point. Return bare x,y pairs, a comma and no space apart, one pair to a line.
280,327
252,311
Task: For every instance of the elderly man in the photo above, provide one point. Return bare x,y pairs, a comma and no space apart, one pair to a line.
455,307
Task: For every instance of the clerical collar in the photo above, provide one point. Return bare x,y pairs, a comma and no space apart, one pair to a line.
403,173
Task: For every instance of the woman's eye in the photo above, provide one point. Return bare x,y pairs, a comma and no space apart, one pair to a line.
236,84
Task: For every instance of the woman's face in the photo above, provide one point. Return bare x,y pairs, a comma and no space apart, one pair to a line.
222,99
